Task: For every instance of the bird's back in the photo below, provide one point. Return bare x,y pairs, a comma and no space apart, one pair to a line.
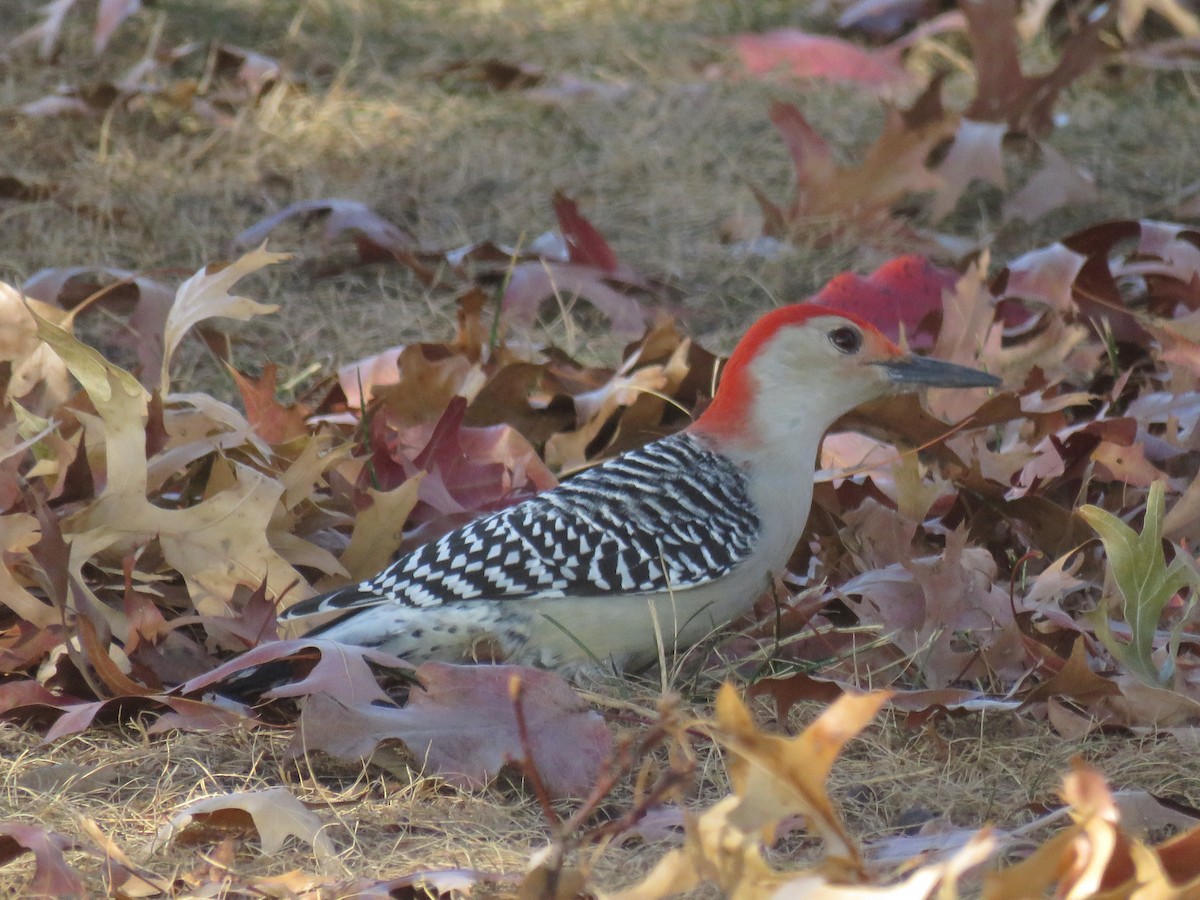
665,519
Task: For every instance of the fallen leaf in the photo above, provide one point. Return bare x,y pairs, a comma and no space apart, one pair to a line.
1056,183
109,16
274,814
462,727
805,55
52,877
898,298
206,294
894,167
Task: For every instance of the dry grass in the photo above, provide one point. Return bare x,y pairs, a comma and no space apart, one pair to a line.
963,772
658,169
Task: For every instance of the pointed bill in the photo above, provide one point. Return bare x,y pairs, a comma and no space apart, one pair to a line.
922,370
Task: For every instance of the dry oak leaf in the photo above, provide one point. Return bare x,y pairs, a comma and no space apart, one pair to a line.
274,422
774,778
19,532
206,295
274,813
1003,93
893,168
462,726
1096,856
379,528
216,545
32,362
52,878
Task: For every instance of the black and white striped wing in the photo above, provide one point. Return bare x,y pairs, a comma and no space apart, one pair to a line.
672,515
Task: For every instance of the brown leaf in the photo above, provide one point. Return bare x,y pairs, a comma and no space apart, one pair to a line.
273,422
893,168
430,376
206,294
216,545
274,813
52,877
946,612
1075,680
1003,93
462,727
18,532
379,528
773,778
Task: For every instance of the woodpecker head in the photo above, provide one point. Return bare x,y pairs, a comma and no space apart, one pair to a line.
800,367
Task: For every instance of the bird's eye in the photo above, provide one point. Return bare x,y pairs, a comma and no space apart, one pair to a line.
846,339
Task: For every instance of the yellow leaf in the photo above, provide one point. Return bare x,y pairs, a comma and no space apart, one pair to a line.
776,777
379,528
216,545
206,295
19,532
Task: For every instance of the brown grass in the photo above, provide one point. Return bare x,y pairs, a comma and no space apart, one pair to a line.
658,169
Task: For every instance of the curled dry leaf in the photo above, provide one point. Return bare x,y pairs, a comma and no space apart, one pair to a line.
206,295
79,287
212,548
38,377
1095,854
377,237
774,778
274,814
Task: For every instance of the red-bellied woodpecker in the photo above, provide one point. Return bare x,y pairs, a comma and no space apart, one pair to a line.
670,540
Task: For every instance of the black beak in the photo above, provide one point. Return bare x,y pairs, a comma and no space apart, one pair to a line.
921,370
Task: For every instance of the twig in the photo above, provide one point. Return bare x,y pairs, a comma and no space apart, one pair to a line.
516,690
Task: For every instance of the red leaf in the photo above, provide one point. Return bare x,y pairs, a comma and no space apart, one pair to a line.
470,469
463,727
901,295
52,877
893,168
817,56
585,245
